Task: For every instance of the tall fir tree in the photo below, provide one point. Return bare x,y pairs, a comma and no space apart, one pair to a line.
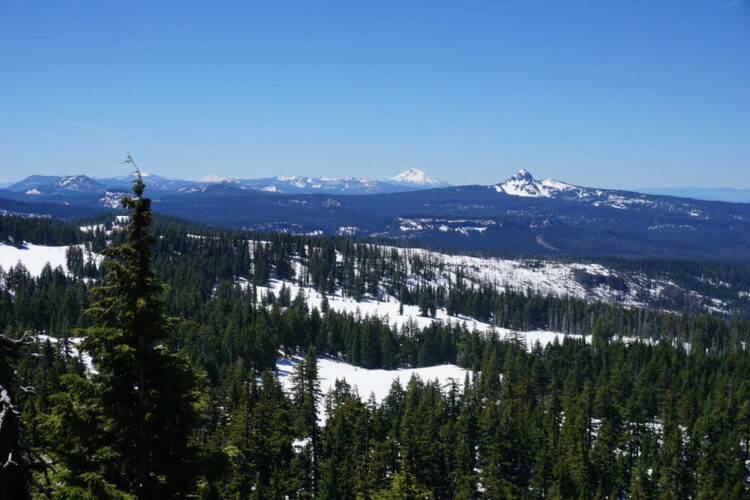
306,395
125,429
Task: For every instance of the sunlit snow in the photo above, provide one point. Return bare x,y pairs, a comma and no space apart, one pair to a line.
367,382
33,257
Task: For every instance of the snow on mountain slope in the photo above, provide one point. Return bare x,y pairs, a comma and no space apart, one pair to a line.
75,184
364,381
552,184
388,310
387,307
212,178
112,199
588,281
35,257
415,176
592,282
329,185
523,184
46,186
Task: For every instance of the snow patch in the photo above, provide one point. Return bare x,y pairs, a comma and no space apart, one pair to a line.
73,350
364,381
35,257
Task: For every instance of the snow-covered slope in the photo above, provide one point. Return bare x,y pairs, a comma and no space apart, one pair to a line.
73,184
112,199
35,257
367,382
588,281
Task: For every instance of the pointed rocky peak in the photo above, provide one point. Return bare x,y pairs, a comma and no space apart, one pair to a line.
522,175
522,183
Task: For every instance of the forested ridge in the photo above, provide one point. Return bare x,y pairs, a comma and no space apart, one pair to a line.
714,279
605,419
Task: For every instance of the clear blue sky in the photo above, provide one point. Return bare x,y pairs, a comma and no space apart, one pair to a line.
611,94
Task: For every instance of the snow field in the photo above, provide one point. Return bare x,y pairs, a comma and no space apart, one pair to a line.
366,382
33,257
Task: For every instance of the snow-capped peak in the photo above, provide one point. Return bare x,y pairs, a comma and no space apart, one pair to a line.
212,178
522,183
415,176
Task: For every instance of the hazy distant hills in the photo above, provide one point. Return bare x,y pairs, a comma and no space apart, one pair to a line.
731,195
520,214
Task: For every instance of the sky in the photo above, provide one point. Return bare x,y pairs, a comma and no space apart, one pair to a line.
624,94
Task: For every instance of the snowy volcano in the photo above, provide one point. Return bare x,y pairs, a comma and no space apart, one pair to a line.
416,177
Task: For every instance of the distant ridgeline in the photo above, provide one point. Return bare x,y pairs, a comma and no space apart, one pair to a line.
520,215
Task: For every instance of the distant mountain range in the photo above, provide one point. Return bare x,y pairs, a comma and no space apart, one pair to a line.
520,214
409,180
520,184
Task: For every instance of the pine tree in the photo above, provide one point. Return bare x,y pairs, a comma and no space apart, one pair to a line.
403,486
306,392
17,460
126,429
